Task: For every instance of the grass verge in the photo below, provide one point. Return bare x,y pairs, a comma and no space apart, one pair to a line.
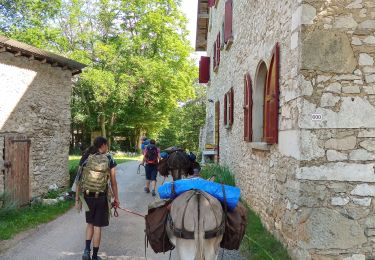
260,244
257,243
17,220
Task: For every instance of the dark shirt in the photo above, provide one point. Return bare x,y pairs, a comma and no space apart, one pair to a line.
112,162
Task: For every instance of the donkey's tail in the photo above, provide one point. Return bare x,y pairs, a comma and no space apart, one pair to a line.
199,231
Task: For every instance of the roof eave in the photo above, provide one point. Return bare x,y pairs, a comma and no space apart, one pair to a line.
202,25
23,49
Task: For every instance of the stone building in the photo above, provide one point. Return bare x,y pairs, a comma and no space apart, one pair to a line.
35,90
293,85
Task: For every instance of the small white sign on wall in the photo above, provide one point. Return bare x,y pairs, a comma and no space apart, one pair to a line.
316,117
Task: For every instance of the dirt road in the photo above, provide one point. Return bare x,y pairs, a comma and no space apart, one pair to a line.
123,239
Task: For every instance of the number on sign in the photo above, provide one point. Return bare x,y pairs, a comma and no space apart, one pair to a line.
316,117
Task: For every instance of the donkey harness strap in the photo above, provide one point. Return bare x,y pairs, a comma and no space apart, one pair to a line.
185,234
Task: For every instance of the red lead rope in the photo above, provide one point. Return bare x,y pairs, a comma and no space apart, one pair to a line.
115,213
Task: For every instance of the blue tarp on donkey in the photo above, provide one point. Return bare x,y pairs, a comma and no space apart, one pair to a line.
232,194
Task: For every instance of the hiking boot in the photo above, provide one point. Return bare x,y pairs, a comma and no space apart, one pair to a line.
86,255
96,258
153,193
147,190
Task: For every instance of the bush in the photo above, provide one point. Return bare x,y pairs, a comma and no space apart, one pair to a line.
7,205
222,174
52,194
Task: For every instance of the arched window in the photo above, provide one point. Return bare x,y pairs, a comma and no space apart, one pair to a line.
258,102
248,108
271,100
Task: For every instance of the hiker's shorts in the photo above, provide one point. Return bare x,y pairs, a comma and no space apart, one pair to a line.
99,212
151,172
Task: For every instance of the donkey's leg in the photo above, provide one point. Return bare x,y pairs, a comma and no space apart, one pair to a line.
211,248
185,248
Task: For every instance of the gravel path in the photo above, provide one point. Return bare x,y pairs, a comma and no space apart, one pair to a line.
64,237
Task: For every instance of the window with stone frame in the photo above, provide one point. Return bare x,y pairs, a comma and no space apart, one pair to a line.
225,112
204,69
228,108
222,40
214,63
271,99
216,48
228,24
231,106
257,113
265,113
211,3
247,108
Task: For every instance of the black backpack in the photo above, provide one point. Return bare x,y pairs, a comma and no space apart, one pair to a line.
151,154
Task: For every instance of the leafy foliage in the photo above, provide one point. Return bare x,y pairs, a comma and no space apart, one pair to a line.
185,123
137,54
222,174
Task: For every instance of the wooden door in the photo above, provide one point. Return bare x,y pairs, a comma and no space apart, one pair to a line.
17,182
217,130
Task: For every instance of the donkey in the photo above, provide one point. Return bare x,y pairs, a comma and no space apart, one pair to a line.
177,164
196,225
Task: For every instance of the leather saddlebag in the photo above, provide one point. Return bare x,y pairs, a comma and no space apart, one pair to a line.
156,222
235,227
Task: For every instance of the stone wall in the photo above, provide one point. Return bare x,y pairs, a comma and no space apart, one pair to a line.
264,173
35,101
338,52
315,189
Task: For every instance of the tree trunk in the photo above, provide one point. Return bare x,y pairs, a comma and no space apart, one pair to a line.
102,126
111,124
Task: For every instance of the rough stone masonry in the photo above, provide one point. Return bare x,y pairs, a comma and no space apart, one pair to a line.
35,102
315,189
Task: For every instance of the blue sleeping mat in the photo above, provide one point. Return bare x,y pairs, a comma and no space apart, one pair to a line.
215,189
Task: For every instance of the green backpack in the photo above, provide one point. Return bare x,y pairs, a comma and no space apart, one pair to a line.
95,173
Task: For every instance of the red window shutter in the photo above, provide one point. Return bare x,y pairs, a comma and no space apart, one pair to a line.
231,106
225,109
228,34
218,48
204,69
248,108
215,56
271,99
211,3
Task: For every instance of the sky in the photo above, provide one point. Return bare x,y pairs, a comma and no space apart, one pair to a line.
189,7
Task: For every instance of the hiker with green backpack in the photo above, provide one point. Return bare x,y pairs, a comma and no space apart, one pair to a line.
94,193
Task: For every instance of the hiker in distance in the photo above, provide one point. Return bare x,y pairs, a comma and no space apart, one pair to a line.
94,193
151,159
145,142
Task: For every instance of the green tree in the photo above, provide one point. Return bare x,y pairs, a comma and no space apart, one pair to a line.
137,54
185,123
